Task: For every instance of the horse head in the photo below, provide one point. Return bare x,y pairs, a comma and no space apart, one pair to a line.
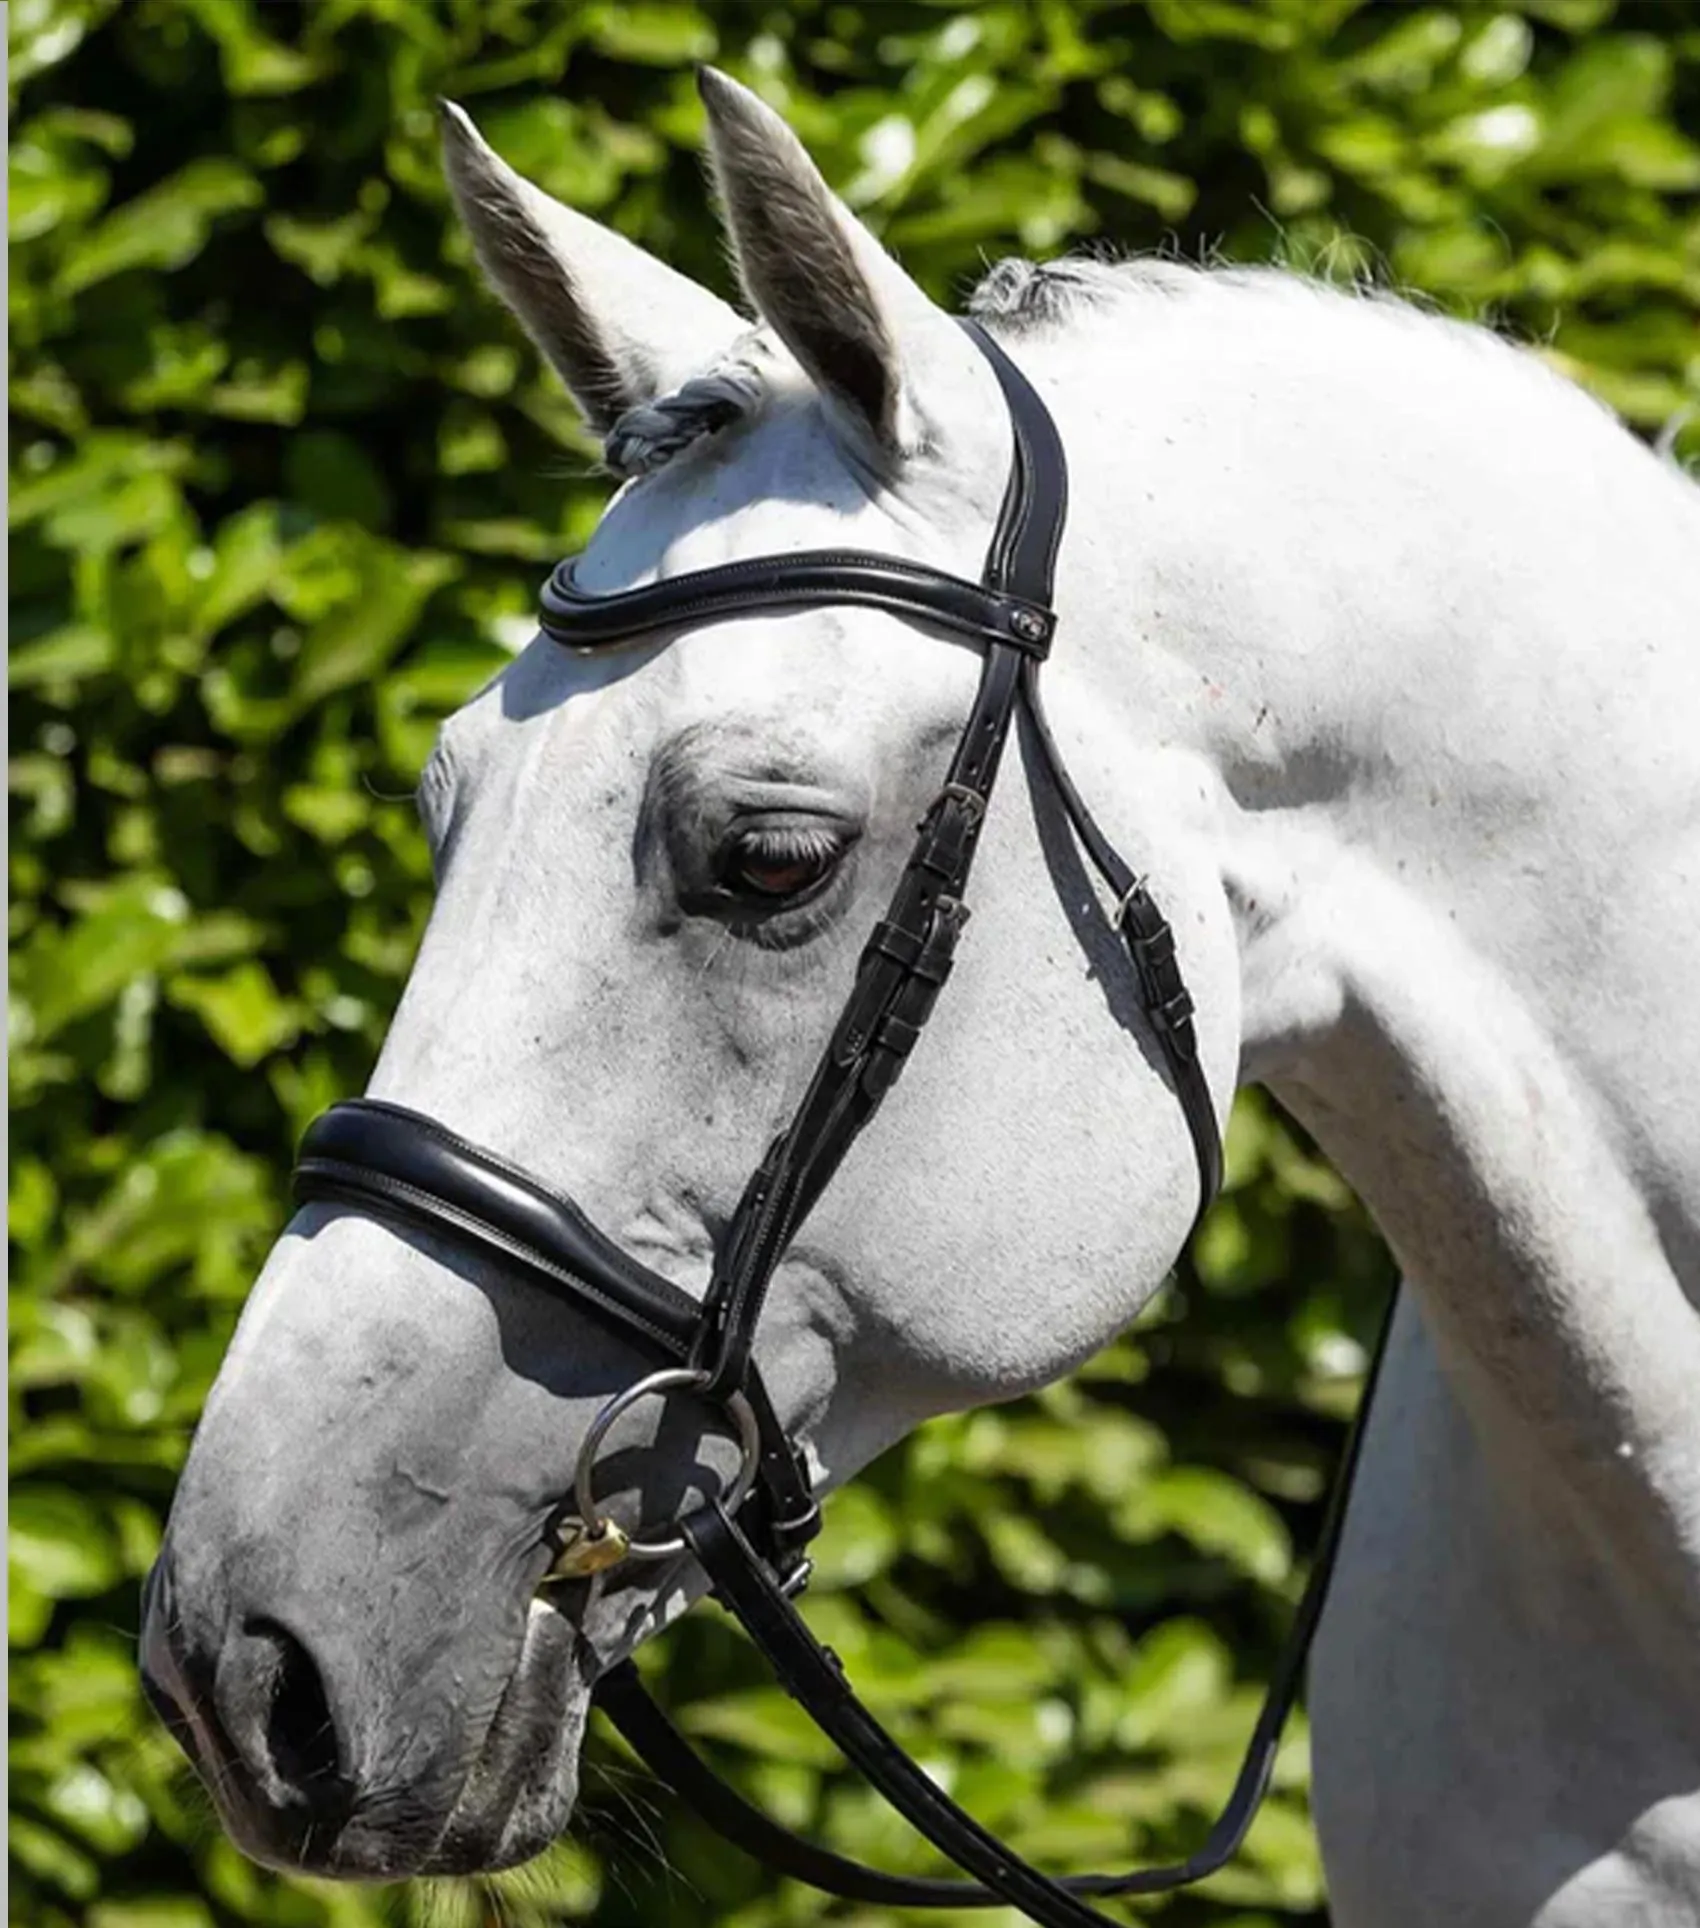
656,871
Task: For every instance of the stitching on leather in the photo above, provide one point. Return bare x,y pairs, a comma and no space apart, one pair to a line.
634,1275
361,1182
970,608
612,625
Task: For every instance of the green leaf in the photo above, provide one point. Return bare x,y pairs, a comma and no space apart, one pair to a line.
134,928
151,1911
763,1721
239,571
241,1009
83,1693
368,622
67,655
1218,1515
102,463
59,1544
40,34
29,1613
991,1663
330,474
31,1201
324,250
650,30
51,1859
88,1804
327,812
262,390
52,1343
858,1539
163,228
253,62
186,1199
51,187
565,1880
1179,1669
1171,195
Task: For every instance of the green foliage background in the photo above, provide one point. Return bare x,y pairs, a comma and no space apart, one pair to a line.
284,484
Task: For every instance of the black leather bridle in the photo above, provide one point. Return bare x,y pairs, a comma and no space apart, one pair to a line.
394,1163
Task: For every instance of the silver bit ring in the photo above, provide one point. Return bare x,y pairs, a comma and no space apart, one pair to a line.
594,1527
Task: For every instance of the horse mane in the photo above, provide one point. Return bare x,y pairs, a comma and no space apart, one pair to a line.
1017,297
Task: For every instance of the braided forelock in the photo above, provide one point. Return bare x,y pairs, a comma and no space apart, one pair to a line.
646,437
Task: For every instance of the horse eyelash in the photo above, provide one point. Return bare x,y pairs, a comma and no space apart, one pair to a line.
790,843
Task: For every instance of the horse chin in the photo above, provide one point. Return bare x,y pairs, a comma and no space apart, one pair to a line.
520,1792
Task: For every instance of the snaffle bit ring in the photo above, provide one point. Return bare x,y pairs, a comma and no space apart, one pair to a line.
594,1542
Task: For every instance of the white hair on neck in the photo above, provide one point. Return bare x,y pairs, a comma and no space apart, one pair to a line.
1017,297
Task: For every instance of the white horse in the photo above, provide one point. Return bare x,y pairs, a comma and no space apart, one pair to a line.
1380,647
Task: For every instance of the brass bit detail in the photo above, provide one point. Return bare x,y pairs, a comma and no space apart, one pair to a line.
584,1552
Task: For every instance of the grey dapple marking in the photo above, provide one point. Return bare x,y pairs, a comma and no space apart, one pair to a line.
1384,645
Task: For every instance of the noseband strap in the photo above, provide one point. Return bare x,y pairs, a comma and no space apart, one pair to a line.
365,1153
398,1165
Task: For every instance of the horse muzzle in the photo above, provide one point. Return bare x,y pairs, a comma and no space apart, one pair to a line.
314,1773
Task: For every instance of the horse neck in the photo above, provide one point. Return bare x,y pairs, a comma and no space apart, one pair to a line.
1407,643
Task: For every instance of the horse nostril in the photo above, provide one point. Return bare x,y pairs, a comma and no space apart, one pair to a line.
299,1733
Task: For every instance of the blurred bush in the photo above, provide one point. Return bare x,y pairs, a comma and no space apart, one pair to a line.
284,481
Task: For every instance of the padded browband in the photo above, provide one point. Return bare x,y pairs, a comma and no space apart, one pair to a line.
811,577
387,1159
1011,605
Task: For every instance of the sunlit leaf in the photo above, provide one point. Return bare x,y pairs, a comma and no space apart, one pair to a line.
135,928
765,1721
59,1544
163,227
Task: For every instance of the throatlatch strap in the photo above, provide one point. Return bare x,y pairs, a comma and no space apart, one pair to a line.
1151,949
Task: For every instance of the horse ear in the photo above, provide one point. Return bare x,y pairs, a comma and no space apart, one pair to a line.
619,327
863,331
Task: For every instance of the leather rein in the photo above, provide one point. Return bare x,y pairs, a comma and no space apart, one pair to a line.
397,1164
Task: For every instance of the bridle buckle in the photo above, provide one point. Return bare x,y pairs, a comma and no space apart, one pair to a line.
587,1549
971,800
1118,917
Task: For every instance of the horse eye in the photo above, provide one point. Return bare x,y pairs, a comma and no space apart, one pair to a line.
780,865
